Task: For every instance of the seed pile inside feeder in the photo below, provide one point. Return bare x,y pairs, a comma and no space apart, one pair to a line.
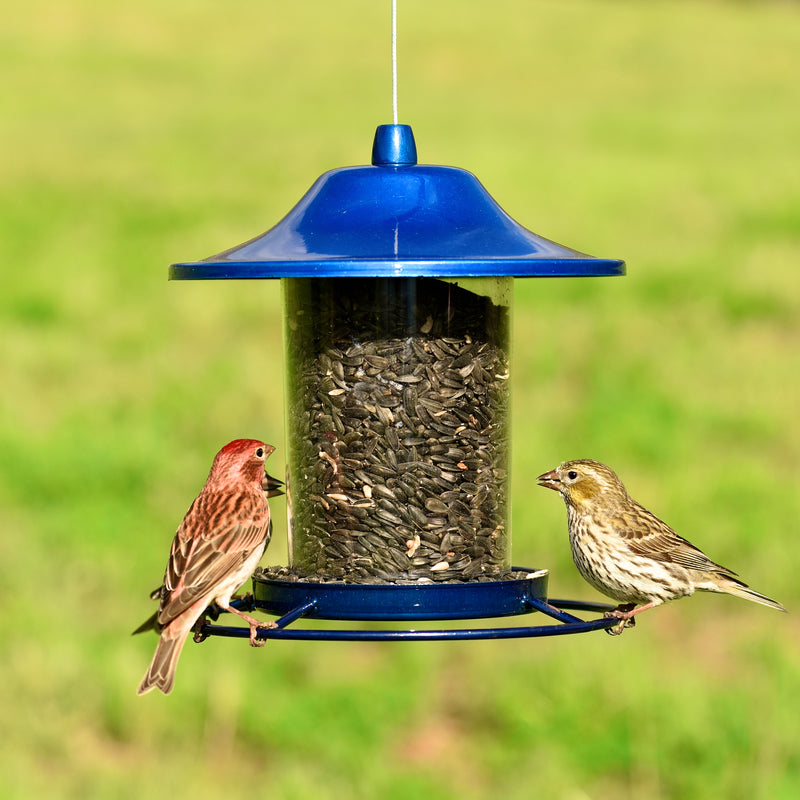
398,456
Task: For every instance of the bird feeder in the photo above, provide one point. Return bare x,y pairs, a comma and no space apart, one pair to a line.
397,302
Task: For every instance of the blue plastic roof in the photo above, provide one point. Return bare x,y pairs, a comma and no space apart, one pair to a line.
397,218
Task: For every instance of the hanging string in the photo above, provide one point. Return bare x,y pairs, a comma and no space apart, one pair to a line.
394,61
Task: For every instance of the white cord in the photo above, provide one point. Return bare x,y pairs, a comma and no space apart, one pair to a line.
394,61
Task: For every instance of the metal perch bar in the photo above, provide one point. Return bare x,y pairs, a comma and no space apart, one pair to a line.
569,624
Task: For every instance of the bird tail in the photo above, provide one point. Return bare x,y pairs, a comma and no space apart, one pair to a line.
161,673
738,589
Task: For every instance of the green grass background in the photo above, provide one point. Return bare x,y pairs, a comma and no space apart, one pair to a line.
134,135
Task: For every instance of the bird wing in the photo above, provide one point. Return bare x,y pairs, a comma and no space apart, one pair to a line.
215,538
647,535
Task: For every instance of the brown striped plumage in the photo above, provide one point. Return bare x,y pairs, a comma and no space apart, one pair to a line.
216,548
626,552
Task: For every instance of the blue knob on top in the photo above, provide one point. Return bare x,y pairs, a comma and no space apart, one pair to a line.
397,218
394,146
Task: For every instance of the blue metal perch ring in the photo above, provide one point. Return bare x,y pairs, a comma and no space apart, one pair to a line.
295,600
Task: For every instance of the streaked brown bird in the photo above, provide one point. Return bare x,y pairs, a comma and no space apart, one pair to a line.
272,488
216,548
628,553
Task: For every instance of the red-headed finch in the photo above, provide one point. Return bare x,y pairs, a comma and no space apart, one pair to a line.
629,554
216,548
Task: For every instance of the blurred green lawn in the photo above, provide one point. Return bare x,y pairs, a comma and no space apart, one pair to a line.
135,135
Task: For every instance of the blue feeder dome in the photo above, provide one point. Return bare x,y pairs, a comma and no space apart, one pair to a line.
397,218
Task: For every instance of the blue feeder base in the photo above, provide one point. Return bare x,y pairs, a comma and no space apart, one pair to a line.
294,600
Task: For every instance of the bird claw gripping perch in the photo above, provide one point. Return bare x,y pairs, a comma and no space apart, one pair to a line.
616,630
199,633
266,626
625,617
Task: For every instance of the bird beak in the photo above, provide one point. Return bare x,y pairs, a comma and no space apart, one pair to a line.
549,480
271,486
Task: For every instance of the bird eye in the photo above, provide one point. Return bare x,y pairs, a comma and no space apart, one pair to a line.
260,452
572,474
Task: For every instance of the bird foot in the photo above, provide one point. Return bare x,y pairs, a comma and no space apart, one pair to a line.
624,613
616,630
199,635
254,640
255,625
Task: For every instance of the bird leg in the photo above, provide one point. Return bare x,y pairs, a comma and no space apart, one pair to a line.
254,624
625,614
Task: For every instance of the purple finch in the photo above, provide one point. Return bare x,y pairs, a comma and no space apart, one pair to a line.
629,554
272,488
216,548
